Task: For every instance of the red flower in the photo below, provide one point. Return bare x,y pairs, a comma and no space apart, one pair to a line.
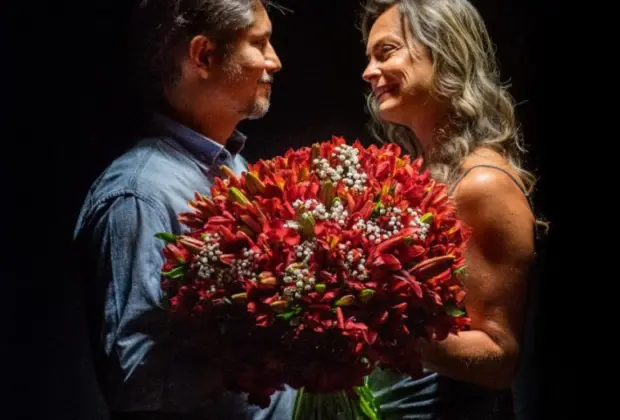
311,268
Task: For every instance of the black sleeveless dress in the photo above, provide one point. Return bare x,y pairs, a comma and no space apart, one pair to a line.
436,397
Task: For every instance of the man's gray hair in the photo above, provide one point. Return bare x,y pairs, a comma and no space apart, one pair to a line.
162,29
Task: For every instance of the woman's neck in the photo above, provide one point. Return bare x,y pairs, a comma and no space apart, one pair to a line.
432,135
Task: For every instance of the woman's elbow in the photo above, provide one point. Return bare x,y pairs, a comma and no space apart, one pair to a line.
506,371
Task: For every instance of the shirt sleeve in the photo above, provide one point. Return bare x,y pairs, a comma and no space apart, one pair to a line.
136,333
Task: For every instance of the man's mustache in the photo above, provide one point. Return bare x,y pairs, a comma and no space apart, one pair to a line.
266,78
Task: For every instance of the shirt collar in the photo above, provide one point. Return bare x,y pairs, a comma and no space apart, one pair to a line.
204,148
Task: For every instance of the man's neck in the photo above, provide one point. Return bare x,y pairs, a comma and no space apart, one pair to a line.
216,127
208,120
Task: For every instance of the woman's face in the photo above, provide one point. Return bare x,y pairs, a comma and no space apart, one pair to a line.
400,73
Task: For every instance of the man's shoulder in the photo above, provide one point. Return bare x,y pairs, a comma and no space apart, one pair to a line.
155,170
151,165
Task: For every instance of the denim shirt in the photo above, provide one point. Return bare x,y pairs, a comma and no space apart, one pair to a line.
140,194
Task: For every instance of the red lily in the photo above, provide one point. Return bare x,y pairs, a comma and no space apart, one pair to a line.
314,326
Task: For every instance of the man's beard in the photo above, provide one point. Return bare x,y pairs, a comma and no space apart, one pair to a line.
257,109
259,106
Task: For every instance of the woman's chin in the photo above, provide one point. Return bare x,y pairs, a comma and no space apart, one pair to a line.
388,111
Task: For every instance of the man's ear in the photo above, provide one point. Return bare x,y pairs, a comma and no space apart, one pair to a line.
201,54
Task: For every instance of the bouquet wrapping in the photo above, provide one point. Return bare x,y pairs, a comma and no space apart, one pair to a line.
312,268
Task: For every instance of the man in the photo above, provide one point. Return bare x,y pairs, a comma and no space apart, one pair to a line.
212,64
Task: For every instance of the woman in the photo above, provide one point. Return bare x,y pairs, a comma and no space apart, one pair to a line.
436,92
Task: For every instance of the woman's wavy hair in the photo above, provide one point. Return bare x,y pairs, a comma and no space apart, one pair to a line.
466,75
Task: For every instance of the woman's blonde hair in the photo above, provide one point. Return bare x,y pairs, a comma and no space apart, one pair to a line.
466,75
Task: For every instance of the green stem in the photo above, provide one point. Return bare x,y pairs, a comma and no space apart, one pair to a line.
309,406
298,403
343,405
367,402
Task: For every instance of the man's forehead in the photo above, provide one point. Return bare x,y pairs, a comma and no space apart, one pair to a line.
262,30
262,23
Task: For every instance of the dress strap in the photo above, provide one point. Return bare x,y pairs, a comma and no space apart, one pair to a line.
460,178
539,229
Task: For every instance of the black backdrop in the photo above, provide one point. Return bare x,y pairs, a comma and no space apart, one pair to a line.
71,114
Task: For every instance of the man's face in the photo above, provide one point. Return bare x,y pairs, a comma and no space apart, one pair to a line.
247,71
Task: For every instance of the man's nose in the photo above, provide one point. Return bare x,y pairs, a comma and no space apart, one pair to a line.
273,63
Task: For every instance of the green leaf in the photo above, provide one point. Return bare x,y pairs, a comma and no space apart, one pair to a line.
167,236
459,271
377,207
286,315
453,310
175,273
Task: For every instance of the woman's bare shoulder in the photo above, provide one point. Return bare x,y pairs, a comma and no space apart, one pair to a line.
490,200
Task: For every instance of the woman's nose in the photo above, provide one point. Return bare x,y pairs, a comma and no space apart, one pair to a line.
371,72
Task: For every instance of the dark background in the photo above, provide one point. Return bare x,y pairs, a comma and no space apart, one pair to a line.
70,114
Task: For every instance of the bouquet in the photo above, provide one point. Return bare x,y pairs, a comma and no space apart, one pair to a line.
312,268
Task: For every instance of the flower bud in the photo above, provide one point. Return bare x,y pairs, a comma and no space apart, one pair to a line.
327,193
320,287
265,274
316,152
268,281
345,300
251,222
234,194
307,224
227,258
191,244
366,295
239,297
228,173
279,305
427,218
253,184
